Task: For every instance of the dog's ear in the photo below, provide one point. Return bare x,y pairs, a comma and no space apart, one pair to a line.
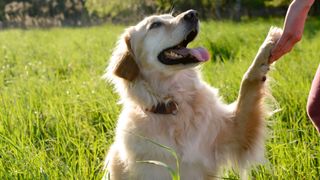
127,68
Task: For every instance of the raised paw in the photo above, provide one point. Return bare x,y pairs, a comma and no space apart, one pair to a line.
273,36
260,65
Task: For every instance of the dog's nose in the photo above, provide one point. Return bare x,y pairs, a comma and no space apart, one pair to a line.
191,16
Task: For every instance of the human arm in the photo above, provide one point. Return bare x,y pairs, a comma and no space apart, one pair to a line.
293,28
313,105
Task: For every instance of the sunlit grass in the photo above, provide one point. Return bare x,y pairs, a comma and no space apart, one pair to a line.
57,116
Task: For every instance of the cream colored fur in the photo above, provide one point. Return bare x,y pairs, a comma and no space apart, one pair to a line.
206,133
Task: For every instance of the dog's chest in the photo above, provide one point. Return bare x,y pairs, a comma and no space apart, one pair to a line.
186,133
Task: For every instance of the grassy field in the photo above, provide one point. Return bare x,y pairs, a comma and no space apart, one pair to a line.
57,116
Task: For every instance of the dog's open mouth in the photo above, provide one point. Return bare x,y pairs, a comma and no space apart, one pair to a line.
180,54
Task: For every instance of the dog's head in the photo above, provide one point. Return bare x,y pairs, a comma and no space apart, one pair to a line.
158,44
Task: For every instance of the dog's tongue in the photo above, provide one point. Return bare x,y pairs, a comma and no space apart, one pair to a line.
200,53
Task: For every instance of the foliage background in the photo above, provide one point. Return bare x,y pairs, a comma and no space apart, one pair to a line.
48,13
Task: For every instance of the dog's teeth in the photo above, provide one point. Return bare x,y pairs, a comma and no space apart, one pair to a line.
173,54
179,56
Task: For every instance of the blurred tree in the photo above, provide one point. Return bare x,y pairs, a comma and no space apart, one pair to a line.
126,9
237,10
277,3
2,7
43,12
254,3
132,9
75,12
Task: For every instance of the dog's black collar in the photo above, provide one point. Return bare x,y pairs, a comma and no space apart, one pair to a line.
169,107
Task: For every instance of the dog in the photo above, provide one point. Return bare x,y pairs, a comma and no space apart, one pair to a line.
167,107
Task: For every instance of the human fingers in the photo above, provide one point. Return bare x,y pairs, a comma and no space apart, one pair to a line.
282,50
277,50
283,46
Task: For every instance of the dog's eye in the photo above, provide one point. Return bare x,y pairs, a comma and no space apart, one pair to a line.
155,25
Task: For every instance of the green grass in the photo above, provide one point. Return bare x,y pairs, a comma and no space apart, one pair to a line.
57,116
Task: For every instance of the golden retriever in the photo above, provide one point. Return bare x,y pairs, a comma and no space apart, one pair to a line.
166,103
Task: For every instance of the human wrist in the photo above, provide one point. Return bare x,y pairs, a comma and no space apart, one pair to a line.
310,2
303,3
299,9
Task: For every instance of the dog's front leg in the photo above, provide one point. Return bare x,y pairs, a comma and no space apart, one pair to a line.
249,113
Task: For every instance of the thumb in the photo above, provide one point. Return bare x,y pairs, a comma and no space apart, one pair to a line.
272,56
271,59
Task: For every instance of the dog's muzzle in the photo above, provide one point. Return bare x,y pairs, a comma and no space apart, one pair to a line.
191,17
179,53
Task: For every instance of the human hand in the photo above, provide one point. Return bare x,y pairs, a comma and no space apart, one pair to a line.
293,28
